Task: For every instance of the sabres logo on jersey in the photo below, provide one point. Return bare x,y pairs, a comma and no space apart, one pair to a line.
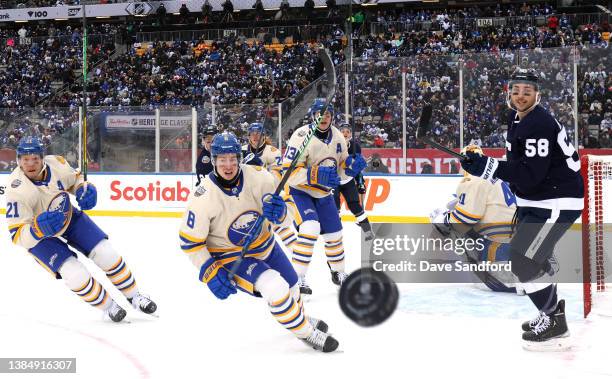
241,227
61,203
328,162
206,159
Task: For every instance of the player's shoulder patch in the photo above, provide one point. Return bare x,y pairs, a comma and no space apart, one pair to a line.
273,149
61,159
15,183
465,180
301,133
199,191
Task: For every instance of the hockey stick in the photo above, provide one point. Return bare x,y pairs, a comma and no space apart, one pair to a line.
331,85
423,129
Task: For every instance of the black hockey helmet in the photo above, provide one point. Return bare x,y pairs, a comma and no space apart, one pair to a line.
210,130
524,76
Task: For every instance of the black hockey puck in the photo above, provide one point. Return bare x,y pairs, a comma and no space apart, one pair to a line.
368,297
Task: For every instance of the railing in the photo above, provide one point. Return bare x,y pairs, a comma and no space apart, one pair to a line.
214,34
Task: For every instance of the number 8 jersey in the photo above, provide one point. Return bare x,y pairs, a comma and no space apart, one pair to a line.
542,165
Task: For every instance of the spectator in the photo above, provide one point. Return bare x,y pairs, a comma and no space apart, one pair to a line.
161,13
228,11
259,10
184,14
207,10
308,8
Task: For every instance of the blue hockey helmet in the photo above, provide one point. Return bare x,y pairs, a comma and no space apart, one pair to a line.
225,143
30,145
256,127
318,106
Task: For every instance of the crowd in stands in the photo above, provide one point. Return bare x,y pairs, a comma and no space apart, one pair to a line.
234,73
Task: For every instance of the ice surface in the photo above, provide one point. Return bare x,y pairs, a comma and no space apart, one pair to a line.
438,331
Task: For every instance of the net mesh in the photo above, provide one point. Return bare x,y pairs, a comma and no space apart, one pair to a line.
597,175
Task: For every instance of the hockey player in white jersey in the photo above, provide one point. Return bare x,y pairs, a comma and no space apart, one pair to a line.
320,169
42,220
269,157
487,209
219,221
264,154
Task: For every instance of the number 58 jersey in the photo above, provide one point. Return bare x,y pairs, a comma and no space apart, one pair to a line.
542,166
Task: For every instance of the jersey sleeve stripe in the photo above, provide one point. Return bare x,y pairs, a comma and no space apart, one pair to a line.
456,217
190,239
190,248
468,214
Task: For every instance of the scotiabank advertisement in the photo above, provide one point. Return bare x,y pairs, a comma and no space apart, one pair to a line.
398,198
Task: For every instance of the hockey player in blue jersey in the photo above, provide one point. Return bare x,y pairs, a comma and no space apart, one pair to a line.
42,220
543,170
203,164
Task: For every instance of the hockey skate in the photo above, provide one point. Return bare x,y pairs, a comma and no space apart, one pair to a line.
338,277
115,312
550,332
321,341
318,324
304,287
143,303
529,325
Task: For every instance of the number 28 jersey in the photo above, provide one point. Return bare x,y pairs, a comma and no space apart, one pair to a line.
542,166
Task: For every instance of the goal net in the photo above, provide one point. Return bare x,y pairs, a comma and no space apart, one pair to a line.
596,221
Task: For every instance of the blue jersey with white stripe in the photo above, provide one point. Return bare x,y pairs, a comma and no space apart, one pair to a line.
541,164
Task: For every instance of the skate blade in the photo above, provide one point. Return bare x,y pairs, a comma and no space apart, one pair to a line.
561,343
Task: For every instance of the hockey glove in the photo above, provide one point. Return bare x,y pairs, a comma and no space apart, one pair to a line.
274,208
440,220
48,224
480,165
214,275
86,197
323,176
354,164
